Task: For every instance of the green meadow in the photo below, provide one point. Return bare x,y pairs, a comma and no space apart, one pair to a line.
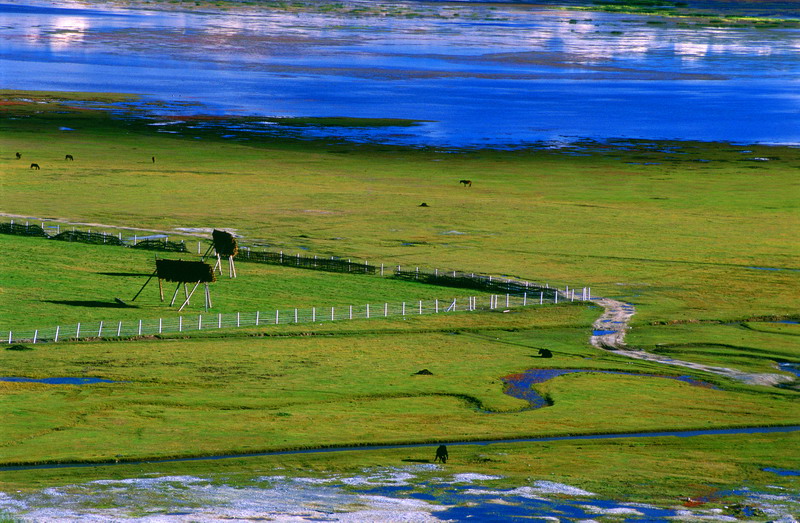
700,237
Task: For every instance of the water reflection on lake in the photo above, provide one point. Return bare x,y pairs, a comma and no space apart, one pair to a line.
479,75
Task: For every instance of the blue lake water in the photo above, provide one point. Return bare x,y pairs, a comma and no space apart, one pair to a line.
502,75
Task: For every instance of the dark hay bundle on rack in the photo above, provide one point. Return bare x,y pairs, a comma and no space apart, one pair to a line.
185,271
224,243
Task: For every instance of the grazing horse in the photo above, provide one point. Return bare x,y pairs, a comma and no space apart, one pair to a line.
441,454
545,353
35,166
154,159
467,183
69,157
19,155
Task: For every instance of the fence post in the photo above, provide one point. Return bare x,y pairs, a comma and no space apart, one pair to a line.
35,335
589,293
404,308
219,320
160,325
119,329
555,296
385,310
277,316
9,337
332,316
257,318
78,331
507,299
55,338
313,314
295,315
437,306
381,269
100,330
367,310
180,323
524,299
420,306
140,328
351,312
199,322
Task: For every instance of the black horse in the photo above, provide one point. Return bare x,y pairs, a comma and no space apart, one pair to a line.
69,157
35,166
441,454
466,183
19,155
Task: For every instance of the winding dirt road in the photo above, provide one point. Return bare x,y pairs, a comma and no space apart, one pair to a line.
610,330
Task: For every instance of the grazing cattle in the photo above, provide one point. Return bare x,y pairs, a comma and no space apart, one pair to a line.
545,353
19,155
441,454
466,183
69,157
35,166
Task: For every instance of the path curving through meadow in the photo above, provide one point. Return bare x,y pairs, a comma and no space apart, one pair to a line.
609,334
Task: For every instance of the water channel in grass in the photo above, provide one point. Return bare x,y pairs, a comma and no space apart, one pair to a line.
472,75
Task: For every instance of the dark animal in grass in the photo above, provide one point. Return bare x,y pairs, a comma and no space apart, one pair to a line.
465,183
545,353
441,454
69,157
423,372
35,166
19,155
154,159
423,204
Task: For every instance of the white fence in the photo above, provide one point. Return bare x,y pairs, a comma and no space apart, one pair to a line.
317,315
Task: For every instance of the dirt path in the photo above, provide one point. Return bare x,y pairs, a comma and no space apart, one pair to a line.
609,334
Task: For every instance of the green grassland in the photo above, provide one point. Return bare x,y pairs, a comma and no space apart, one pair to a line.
683,238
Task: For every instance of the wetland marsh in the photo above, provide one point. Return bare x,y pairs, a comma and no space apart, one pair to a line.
652,158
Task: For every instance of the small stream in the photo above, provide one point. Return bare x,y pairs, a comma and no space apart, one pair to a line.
520,385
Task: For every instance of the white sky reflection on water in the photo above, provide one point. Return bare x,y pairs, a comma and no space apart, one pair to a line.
509,76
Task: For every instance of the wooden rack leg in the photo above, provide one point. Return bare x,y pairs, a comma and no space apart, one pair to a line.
232,266
189,297
175,295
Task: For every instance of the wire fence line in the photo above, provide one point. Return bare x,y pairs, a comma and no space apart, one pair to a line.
509,291
308,315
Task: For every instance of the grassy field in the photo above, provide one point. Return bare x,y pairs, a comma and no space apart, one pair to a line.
683,231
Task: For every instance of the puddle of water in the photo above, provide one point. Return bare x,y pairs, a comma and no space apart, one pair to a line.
59,381
782,472
794,368
602,332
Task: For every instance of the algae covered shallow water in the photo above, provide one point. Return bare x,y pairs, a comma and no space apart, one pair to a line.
491,75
